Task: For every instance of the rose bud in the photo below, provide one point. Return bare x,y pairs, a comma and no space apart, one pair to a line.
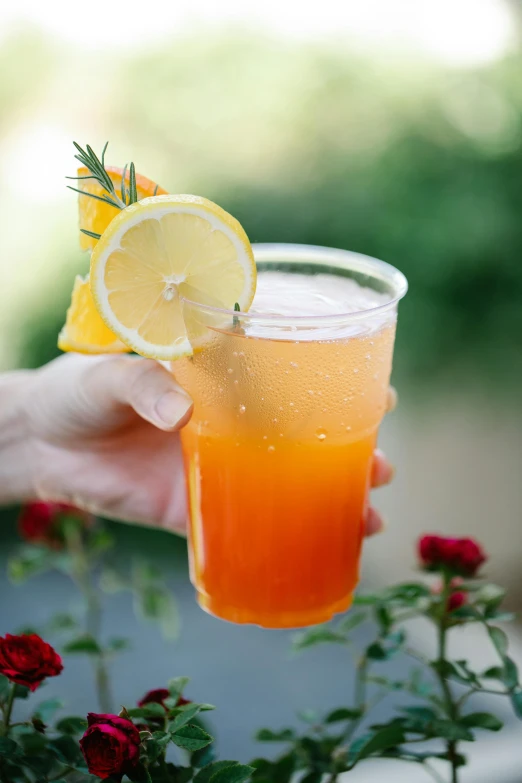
28,660
42,523
461,556
158,696
110,746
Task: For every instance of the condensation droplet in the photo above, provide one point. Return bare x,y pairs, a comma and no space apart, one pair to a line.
265,437
356,369
230,370
291,404
275,421
294,364
348,428
271,448
236,382
234,353
280,407
327,377
242,408
368,356
311,392
320,433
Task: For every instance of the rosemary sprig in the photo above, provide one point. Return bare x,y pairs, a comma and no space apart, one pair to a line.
96,167
90,233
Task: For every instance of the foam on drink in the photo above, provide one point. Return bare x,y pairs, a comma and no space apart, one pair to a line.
299,295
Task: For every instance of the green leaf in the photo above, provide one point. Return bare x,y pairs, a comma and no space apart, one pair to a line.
138,774
46,710
184,716
22,692
284,768
493,673
312,777
191,738
33,742
113,582
318,635
386,648
516,701
151,710
490,596
5,687
366,599
176,687
199,758
408,593
100,540
342,714
309,716
31,561
156,603
383,739
236,773
482,720
499,639
62,621
423,714
267,735
9,748
383,618
351,621
448,729
206,772
66,749
83,644
71,725
118,644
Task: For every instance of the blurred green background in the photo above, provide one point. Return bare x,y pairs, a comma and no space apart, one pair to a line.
407,148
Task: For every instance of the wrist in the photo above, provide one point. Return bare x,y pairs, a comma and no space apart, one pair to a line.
16,459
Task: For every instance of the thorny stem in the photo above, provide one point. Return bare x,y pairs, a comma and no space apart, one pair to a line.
82,577
4,728
451,706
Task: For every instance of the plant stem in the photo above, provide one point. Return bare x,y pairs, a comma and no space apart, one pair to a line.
451,706
4,729
82,577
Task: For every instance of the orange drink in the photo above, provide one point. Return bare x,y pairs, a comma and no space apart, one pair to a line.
288,399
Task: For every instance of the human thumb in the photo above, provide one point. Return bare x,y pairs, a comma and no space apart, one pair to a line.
154,394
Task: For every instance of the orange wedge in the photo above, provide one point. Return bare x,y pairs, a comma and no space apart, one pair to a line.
84,331
96,215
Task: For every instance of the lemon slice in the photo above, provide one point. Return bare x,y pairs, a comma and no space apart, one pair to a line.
159,252
84,331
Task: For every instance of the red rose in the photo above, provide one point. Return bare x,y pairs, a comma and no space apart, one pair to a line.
456,600
110,746
461,556
41,523
27,660
158,696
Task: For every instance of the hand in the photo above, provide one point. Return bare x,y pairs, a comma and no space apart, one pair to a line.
101,434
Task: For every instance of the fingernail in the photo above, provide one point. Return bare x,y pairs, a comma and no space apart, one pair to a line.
375,523
392,399
172,407
383,472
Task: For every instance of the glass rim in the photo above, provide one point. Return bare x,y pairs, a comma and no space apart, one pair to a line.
328,256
